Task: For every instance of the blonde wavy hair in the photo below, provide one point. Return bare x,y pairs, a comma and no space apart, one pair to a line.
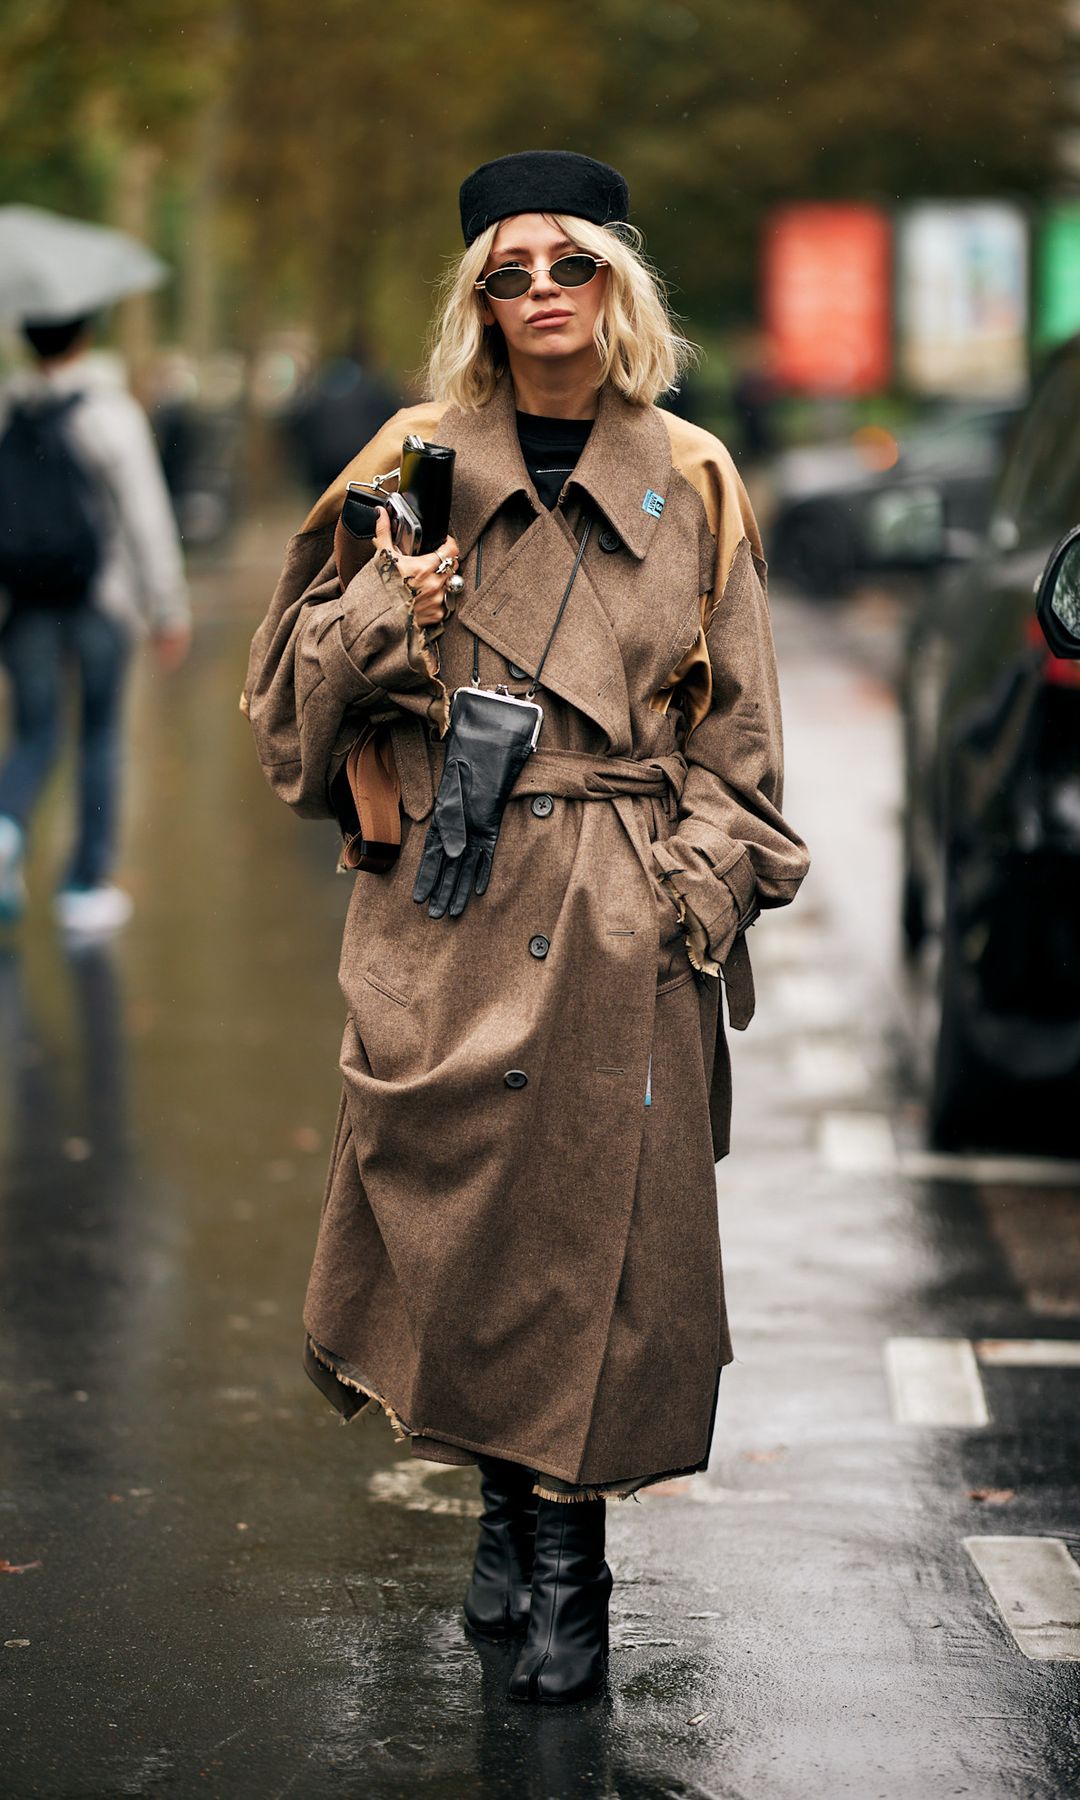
640,350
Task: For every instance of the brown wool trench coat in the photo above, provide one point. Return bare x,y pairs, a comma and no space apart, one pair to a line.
533,1271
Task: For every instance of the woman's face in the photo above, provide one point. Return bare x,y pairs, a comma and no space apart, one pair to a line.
549,321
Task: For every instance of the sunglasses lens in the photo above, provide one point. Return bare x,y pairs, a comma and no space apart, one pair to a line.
508,284
573,271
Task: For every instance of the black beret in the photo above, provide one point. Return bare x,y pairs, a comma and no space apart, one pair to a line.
541,181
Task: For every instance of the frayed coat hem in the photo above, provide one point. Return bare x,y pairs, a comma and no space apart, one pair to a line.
351,1395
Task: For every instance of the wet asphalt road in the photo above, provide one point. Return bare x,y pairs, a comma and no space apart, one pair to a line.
208,1586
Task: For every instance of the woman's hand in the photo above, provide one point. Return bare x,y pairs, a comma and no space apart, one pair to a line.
420,574
171,646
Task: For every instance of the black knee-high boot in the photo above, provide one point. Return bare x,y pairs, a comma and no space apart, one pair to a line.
497,1600
565,1651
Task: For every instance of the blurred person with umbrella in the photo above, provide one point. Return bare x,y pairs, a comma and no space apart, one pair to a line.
518,1256
90,557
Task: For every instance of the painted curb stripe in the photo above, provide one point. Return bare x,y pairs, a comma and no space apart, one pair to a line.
1035,1584
1028,1353
989,1171
858,1143
934,1381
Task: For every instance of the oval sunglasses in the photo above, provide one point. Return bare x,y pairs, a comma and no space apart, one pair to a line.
512,281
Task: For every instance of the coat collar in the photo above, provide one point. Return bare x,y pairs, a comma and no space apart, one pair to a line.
627,459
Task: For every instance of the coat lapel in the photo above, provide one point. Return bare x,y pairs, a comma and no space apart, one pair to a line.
625,469
626,458
514,609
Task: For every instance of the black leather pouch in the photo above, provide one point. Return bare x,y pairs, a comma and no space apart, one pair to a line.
491,735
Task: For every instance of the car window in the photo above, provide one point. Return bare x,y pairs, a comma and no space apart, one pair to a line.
1039,494
968,445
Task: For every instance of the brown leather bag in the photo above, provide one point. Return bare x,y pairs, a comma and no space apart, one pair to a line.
376,794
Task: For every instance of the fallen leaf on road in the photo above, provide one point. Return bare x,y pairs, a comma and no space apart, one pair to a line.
10,1568
16,1643
699,1718
992,1496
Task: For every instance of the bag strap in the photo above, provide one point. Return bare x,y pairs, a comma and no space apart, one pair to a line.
376,791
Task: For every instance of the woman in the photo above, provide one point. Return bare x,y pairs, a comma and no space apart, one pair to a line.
518,1256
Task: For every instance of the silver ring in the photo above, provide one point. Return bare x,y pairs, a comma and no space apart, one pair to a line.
456,584
444,563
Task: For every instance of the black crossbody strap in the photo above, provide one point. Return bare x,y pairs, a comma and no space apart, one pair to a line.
476,584
562,608
558,616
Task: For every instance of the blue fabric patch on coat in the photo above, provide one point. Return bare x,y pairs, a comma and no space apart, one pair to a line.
653,503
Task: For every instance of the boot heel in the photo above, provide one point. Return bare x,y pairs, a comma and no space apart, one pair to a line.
565,1653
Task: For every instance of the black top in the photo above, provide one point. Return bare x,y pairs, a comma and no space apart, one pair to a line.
551,448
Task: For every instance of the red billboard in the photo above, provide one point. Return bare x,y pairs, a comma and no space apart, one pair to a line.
826,301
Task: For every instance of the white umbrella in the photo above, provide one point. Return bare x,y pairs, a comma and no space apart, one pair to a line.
53,269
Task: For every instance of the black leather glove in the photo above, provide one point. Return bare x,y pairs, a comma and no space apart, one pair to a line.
486,747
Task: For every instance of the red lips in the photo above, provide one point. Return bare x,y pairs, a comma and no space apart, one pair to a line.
538,318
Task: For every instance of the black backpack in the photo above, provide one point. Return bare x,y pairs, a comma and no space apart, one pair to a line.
50,523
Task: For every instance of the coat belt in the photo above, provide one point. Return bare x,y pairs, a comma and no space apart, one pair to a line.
575,775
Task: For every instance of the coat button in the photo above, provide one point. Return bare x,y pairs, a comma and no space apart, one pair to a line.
610,540
543,805
517,672
516,1078
539,946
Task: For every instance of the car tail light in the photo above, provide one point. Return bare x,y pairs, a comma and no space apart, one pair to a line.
1058,671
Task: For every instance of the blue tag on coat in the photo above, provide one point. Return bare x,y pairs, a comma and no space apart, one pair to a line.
653,503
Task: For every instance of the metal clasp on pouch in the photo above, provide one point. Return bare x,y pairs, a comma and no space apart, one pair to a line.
501,693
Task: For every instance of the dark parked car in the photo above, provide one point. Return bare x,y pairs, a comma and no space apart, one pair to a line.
992,816
879,502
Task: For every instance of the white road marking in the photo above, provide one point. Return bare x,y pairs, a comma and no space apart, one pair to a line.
821,1070
857,1143
1029,1353
816,1002
934,1381
989,1171
1035,1584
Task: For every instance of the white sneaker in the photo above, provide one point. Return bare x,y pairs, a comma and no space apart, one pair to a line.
93,912
12,886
